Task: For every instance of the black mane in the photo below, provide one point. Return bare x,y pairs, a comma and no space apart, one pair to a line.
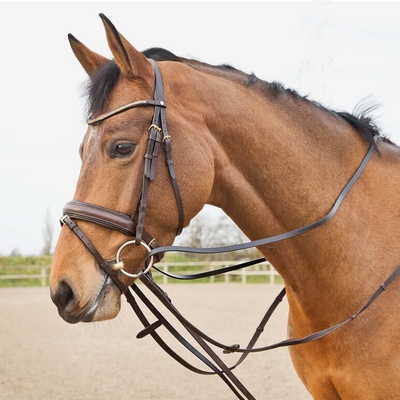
364,124
99,88
360,119
104,79
160,54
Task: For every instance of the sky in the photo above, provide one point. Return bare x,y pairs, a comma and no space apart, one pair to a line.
337,53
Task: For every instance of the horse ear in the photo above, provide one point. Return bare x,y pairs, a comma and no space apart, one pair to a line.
89,60
131,62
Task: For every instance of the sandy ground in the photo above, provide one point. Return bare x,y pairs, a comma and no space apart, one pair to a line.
43,357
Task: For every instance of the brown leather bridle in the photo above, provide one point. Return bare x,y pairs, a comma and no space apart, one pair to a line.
133,226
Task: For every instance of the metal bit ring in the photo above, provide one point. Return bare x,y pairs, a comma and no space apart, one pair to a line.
150,264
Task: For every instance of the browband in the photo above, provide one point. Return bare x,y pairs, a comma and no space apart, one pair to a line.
134,104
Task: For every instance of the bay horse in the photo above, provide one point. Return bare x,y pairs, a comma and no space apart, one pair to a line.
273,161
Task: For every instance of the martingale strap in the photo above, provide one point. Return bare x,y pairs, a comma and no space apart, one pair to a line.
164,299
216,364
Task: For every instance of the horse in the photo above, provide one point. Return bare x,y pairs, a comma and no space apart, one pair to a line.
273,161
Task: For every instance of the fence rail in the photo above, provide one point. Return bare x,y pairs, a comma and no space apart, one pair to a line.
260,270
43,276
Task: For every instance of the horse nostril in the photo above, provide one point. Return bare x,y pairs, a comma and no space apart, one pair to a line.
63,296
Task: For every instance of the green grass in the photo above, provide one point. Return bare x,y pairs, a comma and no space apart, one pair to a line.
22,260
20,265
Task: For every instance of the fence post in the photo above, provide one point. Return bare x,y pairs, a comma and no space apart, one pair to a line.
271,275
43,275
212,278
165,277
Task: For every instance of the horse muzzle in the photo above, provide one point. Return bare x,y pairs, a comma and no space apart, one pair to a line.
74,307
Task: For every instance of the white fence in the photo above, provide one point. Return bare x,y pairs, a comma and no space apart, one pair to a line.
42,276
263,269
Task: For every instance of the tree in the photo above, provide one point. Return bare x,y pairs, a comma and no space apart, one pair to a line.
47,233
15,252
214,230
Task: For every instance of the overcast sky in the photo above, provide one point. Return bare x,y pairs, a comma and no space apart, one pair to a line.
337,53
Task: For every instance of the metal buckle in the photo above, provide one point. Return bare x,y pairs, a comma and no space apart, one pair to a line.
156,127
119,264
62,219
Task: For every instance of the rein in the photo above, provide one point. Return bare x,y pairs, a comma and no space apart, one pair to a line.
133,226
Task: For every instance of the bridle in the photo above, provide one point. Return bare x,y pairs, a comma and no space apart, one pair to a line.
133,226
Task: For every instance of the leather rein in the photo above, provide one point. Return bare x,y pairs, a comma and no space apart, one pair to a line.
133,226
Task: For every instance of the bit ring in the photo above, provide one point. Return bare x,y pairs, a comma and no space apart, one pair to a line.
149,266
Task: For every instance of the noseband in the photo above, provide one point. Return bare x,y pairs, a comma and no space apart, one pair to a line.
133,226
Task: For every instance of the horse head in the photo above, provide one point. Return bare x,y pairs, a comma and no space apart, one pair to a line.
115,157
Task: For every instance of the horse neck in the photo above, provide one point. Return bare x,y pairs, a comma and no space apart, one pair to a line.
281,162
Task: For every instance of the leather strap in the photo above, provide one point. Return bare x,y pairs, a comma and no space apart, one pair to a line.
282,236
134,104
66,220
165,300
215,272
108,218
100,216
158,133
215,364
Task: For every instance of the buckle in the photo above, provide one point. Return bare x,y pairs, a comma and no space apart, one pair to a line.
231,349
62,220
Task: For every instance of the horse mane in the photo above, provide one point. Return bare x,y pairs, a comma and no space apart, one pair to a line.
99,87
104,79
361,119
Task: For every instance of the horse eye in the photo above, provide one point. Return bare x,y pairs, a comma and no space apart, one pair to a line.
121,149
